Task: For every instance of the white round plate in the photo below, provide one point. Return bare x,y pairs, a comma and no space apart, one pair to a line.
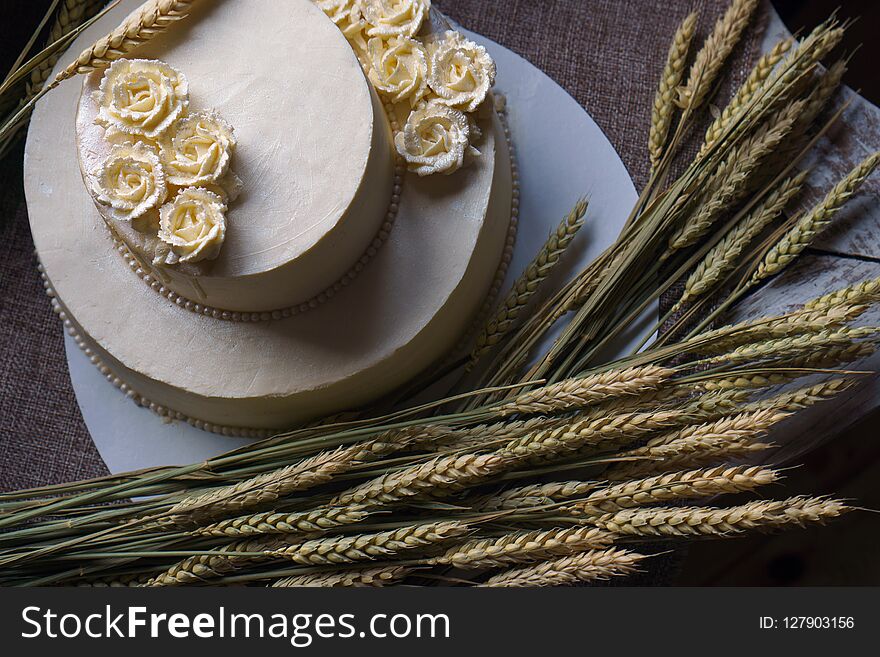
562,155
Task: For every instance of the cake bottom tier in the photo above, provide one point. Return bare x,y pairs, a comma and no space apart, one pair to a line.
408,307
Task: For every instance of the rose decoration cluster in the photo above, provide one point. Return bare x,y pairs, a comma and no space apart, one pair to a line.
168,168
442,79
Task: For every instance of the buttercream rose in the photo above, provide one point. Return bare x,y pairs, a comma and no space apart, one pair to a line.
347,16
131,181
394,17
460,72
193,225
435,139
197,149
398,68
141,97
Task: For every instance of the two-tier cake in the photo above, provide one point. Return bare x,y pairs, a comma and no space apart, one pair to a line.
273,210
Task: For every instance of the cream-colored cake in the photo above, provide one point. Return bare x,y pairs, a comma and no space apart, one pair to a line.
337,276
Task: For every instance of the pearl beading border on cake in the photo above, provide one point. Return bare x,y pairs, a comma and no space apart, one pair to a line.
507,255
290,311
162,411
170,415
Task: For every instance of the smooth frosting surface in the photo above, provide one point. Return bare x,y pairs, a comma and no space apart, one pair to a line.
313,150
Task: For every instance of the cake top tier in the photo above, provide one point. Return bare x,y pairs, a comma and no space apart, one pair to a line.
284,77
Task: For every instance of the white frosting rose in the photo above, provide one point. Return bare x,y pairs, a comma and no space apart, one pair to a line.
141,97
193,225
394,17
197,149
435,139
460,72
131,181
347,16
398,68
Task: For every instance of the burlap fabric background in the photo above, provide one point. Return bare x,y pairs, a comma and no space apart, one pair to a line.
607,53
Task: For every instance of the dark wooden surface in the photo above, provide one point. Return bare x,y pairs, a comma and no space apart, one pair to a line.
849,465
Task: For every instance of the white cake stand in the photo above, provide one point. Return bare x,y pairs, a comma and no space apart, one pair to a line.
562,155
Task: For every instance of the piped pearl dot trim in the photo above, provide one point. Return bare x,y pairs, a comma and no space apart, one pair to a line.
488,306
126,389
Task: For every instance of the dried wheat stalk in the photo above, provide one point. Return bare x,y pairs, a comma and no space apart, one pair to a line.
268,487
715,51
705,521
747,91
579,393
860,293
71,14
592,431
439,476
522,547
796,346
368,577
314,521
664,101
724,257
814,222
586,567
153,18
528,283
534,495
365,547
729,182
673,486
693,452
200,568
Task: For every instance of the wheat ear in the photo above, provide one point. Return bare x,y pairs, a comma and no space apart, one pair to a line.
535,495
523,547
796,400
714,521
724,256
593,431
268,487
366,547
582,392
71,14
747,91
315,521
715,51
367,577
730,181
693,452
528,283
202,567
748,425
586,567
796,346
865,292
664,101
439,476
153,18
814,222
672,486
483,436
